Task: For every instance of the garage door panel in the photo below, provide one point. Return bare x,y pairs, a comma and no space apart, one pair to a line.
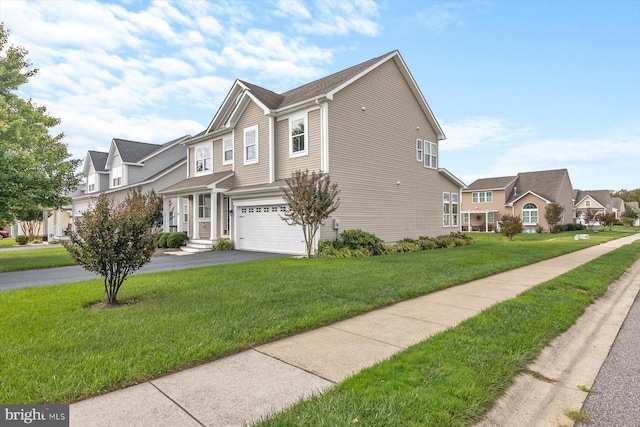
261,228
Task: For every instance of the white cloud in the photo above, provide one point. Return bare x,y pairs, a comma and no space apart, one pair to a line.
476,132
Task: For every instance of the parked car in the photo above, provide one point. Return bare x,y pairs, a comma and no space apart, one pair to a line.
3,234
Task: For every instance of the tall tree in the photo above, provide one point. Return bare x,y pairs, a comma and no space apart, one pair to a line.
312,197
35,167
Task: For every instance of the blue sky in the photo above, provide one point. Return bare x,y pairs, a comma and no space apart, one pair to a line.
516,85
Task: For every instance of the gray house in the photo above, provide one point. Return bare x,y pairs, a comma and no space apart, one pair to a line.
127,165
368,126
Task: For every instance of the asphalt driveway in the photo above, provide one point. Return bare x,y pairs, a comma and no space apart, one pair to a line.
58,275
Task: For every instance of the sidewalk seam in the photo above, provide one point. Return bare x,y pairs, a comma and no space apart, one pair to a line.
292,365
176,403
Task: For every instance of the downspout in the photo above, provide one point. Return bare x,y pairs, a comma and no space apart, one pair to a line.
272,177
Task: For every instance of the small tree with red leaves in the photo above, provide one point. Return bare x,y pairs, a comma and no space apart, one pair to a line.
510,226
114,240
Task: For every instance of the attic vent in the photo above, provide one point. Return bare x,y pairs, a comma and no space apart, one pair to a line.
515,191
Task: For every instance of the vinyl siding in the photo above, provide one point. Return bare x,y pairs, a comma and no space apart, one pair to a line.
256,173
218,157
371,150
285,165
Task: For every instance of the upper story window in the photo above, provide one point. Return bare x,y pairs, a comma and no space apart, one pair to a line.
91,183
419,150
251,145
454,209
116,176
530,214
204,159
482,196
227,151
430,154
297,138
587,203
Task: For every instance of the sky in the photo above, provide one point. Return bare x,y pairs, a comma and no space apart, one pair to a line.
516,85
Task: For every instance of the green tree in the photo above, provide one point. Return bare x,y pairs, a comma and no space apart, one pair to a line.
628,195
510,226
312,197
553,214
590,216
116,240
607,219
30,218
35,167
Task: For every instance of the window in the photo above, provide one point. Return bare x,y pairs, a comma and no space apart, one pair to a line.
482,197
446,209
251,145
454,210
587,203
297,127
227,151
530,214
490,218
419,150
465,218
203,159
430,154
185,213
116,176
91,183
204,206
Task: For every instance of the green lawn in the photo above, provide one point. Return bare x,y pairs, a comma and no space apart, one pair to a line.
7,243
29,259
455,377
55,350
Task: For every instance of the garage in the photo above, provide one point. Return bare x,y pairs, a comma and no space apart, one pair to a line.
261,228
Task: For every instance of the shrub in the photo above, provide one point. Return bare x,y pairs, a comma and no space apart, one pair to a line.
223,245
406,245
460,242
54,241
444,242
176,239
359,239
539,229
37,241
22,239
162,240
510,226
460,235
426,243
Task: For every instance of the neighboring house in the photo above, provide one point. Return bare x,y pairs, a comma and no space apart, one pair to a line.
525,195
636,209
599,201
128,165
617,206
368,126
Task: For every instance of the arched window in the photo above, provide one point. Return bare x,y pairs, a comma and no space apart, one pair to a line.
529,214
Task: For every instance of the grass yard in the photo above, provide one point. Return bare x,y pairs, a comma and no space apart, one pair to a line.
55,350
7,243
29,259
455,377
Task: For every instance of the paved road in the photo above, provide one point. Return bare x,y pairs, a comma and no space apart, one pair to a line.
54,276
616,401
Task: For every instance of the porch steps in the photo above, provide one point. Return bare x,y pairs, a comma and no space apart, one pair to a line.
197,245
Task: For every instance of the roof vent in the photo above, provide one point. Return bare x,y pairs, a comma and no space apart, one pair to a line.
515,191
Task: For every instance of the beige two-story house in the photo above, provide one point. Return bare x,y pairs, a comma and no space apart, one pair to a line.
525,195
368,126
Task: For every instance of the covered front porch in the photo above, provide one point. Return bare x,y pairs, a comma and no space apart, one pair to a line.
478,220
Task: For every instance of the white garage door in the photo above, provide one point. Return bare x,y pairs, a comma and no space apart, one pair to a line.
260,228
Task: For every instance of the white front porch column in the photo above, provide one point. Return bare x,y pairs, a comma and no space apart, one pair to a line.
486,220
214,216
165,214
177,213
195,221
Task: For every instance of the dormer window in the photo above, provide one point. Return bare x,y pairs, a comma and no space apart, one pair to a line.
91,183
204,159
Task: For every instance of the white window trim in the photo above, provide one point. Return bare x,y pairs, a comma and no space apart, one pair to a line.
116,173
91,183
224,151
482,197
419,149
446,203
430,155
292,118
257,144
195,164
203,205
455,215
529,210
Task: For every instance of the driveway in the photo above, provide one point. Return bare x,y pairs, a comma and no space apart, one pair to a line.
58,275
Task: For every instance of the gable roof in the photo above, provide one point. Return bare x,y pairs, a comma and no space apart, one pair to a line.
134,151
545,184
603,197
633,205
98,159
326,87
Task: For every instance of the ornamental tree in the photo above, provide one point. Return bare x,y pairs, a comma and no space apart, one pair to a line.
114,240
590,216
553,214
35,169
312,197
607,220
510,226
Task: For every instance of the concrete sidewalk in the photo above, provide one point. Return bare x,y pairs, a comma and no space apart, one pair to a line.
241,388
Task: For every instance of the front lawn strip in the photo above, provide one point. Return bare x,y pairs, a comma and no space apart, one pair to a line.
53,349
455,377
30,259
